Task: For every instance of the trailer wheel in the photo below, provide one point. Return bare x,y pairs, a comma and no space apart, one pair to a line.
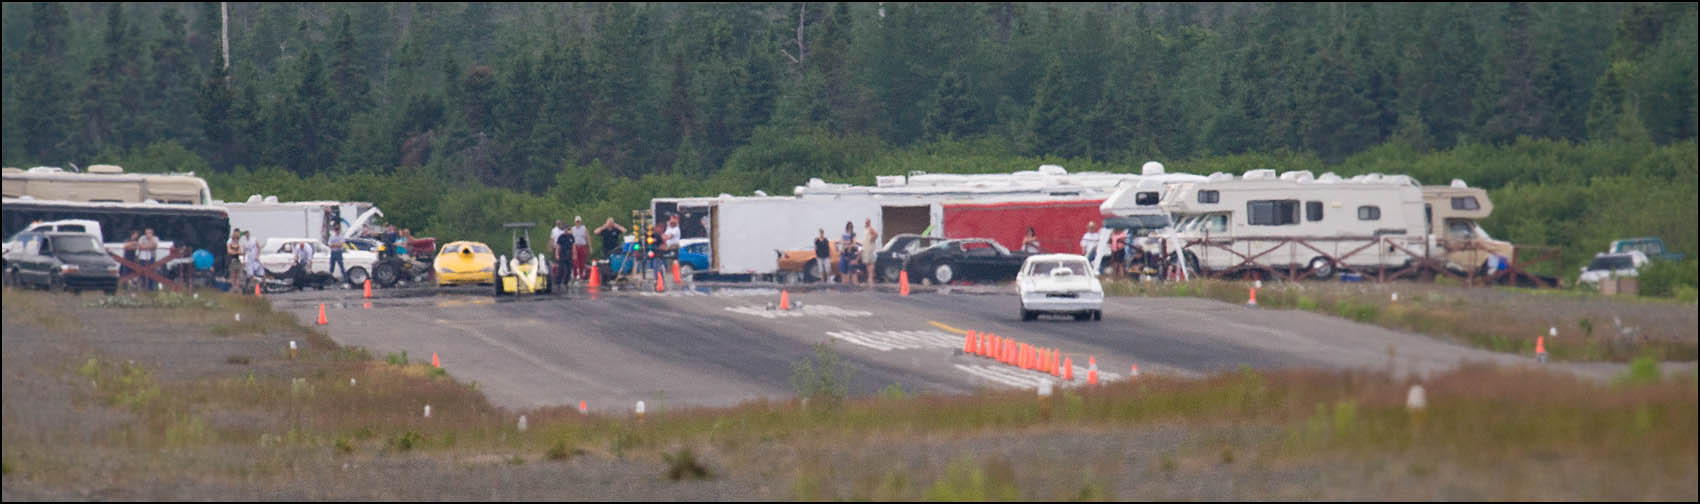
1321,268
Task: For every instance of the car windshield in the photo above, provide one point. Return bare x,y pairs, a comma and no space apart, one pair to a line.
1052,267
1607,263
479,249
76,245
1646,247
452,248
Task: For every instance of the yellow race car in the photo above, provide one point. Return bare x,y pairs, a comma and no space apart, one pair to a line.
465,262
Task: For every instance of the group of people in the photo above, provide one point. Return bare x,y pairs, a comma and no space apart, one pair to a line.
1123,253
141,248
570,247
854,260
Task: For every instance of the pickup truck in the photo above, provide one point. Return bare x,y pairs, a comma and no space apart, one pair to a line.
1653,247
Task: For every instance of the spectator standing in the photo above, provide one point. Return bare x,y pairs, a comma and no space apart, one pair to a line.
1118,251
1030,243
388,239
672,235
823,254
1089,243
657,246
146,248
563,247
610,232
336,244
233,249
846,242
251,257
872,248
130,246
555,236
581,249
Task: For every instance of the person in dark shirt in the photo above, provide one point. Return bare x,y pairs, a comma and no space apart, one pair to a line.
564,258
610,233
823,254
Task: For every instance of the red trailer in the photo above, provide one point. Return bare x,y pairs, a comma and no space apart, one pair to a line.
1057,223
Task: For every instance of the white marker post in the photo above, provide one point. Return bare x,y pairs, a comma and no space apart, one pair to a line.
427,411
522,423
292,349
1416,399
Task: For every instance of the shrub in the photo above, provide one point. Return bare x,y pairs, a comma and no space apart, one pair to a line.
683,464
823,380
406,441
1663,278
397,359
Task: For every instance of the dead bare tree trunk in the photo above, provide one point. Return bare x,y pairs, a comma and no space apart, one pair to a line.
801,49
224,36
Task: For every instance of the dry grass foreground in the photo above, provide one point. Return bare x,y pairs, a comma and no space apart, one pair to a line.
168,397
1591,327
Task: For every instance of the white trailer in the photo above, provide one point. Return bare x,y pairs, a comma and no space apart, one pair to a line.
1297,222
267,218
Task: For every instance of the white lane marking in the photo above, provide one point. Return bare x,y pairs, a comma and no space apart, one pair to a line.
822,310
685,291
896,340
1002,374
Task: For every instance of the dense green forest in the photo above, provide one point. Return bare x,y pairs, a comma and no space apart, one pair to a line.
1580,118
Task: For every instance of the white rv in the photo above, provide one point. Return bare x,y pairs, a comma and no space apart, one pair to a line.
105,184
1297,222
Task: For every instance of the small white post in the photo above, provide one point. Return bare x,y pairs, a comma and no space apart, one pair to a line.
1044,388
1416,399
427,411
522,423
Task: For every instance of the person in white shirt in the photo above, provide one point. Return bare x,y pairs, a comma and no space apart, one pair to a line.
1089,243
672,234
251,256
581,249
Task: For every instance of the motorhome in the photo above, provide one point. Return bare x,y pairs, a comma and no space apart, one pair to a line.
105,184
1297,222
1452,215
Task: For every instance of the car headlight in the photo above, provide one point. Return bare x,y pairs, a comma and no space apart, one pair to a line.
444,270
68,268
487,269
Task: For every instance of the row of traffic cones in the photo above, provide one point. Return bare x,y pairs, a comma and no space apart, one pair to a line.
1027,357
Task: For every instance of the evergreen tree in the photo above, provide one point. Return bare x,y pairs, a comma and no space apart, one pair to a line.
43,103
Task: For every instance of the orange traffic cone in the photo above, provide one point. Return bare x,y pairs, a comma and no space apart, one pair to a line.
968,342
434,362
1133,372
257,291
368,288
1541,348
784,299
676,279
903,283
595,277
1252,301
658,286
582,409
1092,370
1068,369
322,320
980,345
1056,366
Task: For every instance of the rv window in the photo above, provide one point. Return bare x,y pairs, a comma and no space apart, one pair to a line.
1465,203
1313,211
74,228
1272,212
1216,223
1209,196
1145,198
1369,212
1459,229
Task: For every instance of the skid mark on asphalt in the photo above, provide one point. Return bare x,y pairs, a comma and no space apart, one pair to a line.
1018,378
885,341
823,310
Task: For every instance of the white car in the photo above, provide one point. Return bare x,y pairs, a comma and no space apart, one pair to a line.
1062,284
278,254
1612,265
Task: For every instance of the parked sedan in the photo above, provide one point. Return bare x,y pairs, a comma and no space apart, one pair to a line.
278,254
464,262
975,259
888,261
1060,284
61,261
1606,266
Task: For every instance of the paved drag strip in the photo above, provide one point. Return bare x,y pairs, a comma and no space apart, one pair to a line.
821,310
898,340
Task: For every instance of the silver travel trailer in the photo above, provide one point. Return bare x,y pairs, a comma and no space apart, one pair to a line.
1297,223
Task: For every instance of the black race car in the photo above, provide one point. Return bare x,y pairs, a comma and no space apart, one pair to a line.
975,259
888,261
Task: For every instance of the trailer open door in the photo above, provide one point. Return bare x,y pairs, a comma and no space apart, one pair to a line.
904,219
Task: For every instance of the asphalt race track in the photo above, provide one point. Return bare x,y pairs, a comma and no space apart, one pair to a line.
726,344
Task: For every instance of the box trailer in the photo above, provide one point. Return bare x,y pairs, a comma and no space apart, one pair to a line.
267,218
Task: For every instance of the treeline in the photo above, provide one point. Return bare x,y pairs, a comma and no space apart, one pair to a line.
505,94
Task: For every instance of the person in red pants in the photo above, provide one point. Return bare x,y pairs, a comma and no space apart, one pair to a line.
581,249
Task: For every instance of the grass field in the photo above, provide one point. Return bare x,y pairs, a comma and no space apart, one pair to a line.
1590,327
124,400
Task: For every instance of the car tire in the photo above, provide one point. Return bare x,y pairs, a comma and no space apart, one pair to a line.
1028,315
891,273
811,271
943,274
386,274
1083,316
356,276
9,277
55,283
1097,315
1321,268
